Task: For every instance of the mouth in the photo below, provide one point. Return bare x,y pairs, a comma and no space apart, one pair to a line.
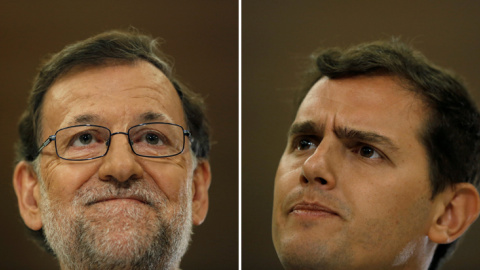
134,199
307,209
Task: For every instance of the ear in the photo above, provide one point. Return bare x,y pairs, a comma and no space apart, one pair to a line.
25,183
455,210
201,183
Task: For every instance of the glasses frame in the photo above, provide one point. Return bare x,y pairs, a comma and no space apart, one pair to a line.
108,142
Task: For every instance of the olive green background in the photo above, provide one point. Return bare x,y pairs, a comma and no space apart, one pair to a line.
201,36
277,38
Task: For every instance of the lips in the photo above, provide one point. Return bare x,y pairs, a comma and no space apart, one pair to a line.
311,209
110,198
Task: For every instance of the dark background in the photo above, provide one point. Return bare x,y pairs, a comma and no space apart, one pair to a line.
277,38
202,37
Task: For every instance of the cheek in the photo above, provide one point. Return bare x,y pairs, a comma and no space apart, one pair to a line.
172,179
388,224
63,178
289,169
388,203
285,180
384,186
385,196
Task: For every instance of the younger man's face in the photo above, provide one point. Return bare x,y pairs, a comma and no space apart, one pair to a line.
352,190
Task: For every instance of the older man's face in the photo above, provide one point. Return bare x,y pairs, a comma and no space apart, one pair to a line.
352,189
121,209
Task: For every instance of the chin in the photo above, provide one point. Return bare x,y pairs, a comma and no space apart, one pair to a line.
307,252
123,241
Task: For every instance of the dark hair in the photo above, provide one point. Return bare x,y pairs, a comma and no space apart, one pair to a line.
108,48
452,129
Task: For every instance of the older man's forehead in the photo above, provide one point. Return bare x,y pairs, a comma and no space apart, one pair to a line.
150,93
154,74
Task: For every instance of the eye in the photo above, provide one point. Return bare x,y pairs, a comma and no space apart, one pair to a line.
369,152
83,139
304,144
152,138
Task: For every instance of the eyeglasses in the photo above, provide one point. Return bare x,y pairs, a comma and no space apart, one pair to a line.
85,142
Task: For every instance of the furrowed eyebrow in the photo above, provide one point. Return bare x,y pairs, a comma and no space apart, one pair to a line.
307,127
365,136
310,127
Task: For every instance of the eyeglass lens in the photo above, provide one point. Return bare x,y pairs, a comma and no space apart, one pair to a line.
152,140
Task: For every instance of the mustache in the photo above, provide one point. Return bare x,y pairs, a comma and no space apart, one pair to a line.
137,190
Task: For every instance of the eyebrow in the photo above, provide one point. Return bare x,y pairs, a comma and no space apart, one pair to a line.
310,127
153,116
95,118
365,137
307,127
84,119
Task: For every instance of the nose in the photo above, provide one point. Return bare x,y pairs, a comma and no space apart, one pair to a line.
319,168
120,163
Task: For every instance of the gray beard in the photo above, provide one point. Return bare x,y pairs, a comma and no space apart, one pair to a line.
117,237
